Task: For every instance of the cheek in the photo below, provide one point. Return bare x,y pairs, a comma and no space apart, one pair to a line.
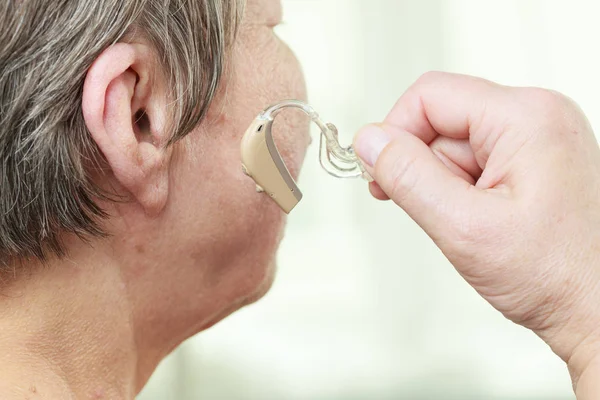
289,77
242,224
278,76
249,231
227,223
266,69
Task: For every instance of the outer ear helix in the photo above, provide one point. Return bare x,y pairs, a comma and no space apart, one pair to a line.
262,161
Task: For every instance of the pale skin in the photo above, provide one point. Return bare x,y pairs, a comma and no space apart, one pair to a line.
192,243
506,181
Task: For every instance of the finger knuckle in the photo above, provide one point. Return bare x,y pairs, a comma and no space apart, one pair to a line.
430,76
553,112
548,102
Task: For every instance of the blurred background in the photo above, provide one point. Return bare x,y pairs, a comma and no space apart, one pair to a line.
364,305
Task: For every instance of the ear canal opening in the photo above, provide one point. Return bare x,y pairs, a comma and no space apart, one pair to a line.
142,126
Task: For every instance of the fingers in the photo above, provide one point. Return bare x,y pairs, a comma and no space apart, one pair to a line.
455,154
432,153
449,105
458,157
409,173
377,192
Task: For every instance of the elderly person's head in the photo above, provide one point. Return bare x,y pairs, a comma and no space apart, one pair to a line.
126,224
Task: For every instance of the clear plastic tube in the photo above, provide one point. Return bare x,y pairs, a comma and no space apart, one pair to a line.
336,160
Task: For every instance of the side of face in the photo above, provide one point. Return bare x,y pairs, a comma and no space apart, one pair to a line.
212,247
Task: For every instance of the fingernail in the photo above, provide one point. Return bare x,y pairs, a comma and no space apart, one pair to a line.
370,142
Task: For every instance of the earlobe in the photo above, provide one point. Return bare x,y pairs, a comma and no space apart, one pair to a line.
125,115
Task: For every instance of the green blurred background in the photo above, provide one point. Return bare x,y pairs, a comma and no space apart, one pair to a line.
364,305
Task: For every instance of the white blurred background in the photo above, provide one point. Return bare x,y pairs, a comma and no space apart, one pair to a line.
365,306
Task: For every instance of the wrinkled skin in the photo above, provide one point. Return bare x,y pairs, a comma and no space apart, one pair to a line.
191,243
506,181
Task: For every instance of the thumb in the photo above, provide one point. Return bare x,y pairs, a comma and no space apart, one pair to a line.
415,179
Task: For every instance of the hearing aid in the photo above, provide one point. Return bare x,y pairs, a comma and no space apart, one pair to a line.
262,161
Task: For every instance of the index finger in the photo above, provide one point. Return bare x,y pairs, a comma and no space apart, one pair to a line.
445,104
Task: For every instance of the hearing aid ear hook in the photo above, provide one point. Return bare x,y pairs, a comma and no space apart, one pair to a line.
262,162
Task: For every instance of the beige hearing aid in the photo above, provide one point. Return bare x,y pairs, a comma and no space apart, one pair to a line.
262,162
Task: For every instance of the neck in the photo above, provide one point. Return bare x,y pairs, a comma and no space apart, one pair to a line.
68,332
96,325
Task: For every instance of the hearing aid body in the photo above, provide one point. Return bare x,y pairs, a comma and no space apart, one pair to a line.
262,162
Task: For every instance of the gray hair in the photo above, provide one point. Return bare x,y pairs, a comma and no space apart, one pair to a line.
46,152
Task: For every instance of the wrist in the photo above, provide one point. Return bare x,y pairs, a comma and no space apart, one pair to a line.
571,326
584,367
578,344
573,333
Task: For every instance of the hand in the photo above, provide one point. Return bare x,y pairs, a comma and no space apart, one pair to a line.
506,181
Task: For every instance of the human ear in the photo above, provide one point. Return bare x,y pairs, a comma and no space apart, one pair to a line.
124,107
